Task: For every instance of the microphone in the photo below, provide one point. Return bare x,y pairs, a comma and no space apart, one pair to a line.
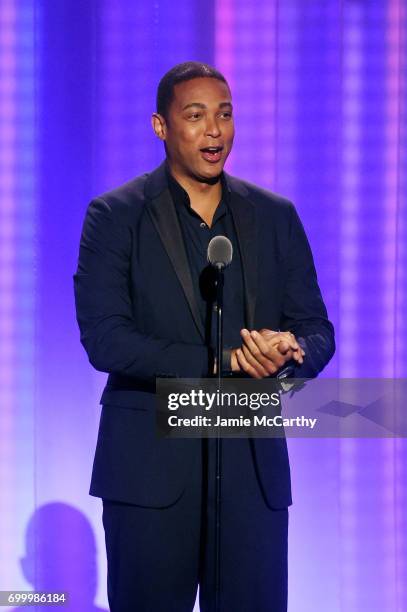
220,252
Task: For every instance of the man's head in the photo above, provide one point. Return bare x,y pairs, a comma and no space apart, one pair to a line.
194,119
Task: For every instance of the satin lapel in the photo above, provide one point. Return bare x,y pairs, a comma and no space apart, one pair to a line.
243,213
164,216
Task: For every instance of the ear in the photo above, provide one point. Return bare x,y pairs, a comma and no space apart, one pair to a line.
159,126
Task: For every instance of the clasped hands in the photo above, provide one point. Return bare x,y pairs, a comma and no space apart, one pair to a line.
264,352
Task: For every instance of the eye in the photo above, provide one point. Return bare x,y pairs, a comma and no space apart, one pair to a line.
226,115
194,116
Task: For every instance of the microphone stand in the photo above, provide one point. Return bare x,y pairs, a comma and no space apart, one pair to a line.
218,448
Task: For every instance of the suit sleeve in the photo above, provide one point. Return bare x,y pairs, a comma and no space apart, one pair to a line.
303,310
108,330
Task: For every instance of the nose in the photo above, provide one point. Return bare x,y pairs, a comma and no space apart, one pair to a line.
212,127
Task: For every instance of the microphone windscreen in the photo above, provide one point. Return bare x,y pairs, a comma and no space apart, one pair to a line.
220,251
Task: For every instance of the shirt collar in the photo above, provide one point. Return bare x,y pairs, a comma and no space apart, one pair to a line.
181,197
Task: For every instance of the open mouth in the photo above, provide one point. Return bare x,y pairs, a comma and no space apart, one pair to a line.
212,154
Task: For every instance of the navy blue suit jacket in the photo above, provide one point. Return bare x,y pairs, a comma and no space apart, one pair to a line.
139,320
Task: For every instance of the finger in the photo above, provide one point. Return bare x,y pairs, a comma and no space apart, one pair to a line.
277,352
263,344
254,363
277,337
256,342
272,353
287,351
291,339
271,336
284,347
299,352
298,345
282,341
257,349
245,365
272,358
265,330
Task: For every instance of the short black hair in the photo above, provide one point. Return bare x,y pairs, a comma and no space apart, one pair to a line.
178,74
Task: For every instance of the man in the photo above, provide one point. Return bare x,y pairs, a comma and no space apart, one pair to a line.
144,297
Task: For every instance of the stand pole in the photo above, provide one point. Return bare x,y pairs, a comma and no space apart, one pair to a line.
218,448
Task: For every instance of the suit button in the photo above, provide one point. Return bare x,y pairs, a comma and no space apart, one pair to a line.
203,224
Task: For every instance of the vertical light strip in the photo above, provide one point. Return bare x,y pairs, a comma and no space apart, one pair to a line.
8,179
245,50
114,103
397,87
26,259
395,205
401,310
224,53
394,511
348,281
126,60
400,354
348,353
391,184
224,39
400,524
363,483
16,280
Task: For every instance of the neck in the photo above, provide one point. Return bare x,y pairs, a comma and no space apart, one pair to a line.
204,197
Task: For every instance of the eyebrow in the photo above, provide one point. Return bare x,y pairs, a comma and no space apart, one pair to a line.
200,105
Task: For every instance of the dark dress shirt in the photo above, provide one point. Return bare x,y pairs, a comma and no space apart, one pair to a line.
197,235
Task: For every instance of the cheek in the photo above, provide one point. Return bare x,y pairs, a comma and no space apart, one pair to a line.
180,145
190,136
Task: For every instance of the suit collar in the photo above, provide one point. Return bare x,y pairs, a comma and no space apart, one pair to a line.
162,211
243,213
164,216
156,182
244,218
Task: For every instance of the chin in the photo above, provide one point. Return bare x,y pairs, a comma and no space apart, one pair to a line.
211,174
210,179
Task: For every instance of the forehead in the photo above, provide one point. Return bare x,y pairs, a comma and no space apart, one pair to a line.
207,91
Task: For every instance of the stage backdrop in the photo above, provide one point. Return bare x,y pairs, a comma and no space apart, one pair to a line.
320,96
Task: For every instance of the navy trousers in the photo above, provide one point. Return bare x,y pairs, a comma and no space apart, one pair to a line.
158,557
